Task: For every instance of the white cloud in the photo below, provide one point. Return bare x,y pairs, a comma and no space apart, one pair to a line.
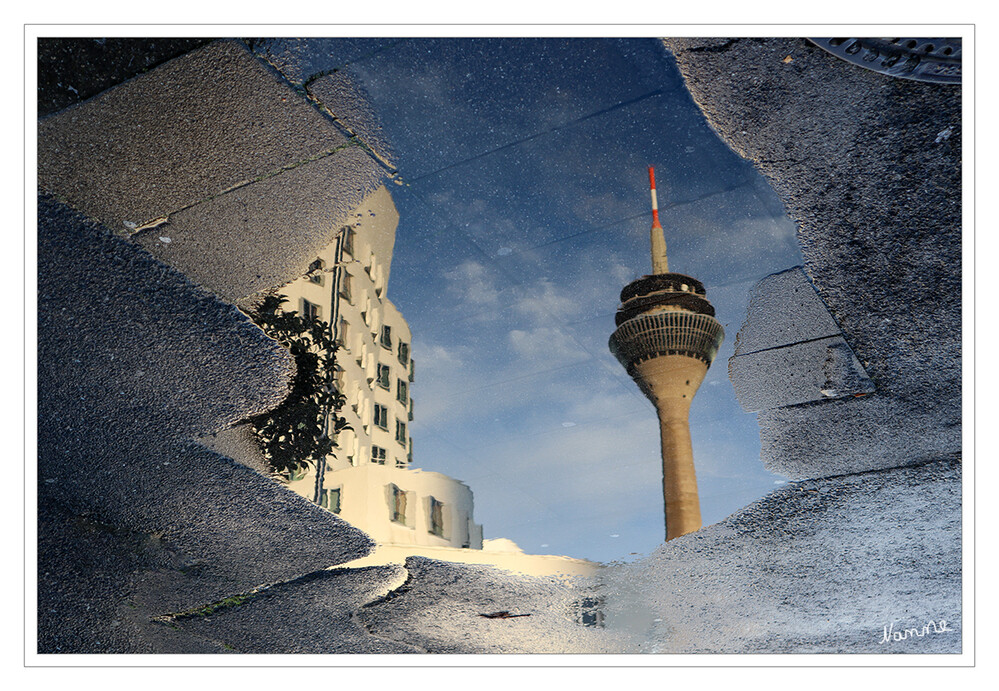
552,346
437,358
472,284
546,304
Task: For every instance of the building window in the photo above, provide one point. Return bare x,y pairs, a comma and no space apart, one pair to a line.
310,310
345,286
436,517
383,375
348,240
411,410
412,370
402,391
403,353
398,505
386,339
409,456
381,416
342,335
378,455
400,432
316,272
330,500
399,463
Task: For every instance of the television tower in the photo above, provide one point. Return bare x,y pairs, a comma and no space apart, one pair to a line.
666,338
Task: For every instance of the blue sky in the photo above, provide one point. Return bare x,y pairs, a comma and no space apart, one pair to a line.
524,211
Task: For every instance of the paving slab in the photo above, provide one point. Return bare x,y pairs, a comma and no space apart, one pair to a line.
348,103
852,435
267,233
784,309
188,130
71,70
817,370
240,444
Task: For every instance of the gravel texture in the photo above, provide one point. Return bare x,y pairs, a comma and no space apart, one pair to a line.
819,566
71,70
868,167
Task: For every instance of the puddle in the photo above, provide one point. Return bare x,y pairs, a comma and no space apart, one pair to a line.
524,212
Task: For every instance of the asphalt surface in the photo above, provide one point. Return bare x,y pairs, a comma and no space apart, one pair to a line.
818,566
312,615
135,518
869,168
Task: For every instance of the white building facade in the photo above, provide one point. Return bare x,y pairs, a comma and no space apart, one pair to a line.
369,481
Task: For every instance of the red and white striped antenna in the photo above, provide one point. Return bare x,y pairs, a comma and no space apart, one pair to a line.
660,265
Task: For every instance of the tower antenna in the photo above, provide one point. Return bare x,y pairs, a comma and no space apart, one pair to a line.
660,265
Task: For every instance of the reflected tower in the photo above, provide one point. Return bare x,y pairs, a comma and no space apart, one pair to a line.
666,338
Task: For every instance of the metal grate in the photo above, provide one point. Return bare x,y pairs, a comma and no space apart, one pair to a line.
922,59
667,333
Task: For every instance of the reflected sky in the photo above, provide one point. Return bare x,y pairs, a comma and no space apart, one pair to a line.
524,211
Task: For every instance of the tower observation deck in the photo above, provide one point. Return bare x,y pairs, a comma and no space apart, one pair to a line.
666,338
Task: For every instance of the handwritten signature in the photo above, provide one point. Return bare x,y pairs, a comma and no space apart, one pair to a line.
890,634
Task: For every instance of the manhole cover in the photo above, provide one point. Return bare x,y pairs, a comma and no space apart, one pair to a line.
922,59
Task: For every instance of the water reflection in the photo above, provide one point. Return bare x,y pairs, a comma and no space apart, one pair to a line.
523,210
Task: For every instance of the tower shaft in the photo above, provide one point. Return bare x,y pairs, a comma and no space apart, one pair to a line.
670,382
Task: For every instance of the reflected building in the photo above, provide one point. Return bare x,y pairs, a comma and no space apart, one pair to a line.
666,337
369,482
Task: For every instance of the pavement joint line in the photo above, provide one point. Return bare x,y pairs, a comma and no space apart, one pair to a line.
791,345
303,91
238,599
350,134
161,220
